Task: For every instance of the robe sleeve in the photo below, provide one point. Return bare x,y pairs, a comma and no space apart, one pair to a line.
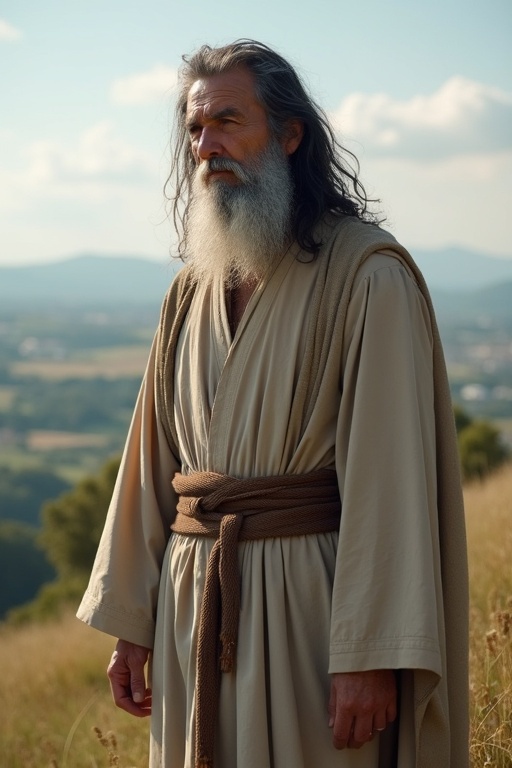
122,593
385,606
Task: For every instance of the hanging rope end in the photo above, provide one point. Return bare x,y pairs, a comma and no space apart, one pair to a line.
204,762
228,654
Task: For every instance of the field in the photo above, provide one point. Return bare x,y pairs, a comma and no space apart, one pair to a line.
71,414
111,363
55,703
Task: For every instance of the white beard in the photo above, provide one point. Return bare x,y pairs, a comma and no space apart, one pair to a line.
236,231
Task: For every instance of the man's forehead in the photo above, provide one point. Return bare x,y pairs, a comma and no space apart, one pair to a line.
234,89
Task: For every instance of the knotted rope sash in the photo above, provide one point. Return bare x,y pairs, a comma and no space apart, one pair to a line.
232,510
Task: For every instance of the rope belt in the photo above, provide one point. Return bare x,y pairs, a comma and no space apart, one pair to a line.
232,510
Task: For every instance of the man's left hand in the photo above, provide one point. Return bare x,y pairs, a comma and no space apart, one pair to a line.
361,704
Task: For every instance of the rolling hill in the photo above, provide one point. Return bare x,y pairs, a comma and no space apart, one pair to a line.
460,281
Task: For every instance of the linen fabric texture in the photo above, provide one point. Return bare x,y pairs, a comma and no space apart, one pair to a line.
336,364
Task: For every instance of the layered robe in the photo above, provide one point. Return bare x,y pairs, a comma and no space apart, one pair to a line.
336,364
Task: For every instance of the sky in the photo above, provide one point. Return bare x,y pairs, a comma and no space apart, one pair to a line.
421,92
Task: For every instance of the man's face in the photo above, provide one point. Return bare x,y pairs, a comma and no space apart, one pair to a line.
225,120
242,189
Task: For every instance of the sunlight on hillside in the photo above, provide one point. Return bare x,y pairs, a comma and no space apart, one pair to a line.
55,698
489,517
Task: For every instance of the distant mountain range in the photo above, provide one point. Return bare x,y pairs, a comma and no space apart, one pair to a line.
88,280
454,275
455,269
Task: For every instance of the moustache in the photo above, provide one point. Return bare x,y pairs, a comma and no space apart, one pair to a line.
215,164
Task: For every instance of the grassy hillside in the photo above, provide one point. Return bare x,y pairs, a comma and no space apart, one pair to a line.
54,692
489,526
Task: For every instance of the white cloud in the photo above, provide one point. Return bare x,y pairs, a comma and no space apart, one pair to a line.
98,156
101,192
461,117
145,87
98,169
98,193
456,201
8,32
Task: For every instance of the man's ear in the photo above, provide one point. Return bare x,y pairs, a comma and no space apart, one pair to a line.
293,136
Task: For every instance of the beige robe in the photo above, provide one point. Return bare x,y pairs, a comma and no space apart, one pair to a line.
369,597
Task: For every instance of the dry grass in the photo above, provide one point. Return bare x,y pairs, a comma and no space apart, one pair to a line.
489,525
56,707
54,700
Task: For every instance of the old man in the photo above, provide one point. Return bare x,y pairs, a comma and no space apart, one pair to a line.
285,542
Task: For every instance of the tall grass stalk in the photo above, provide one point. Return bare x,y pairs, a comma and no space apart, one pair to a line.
489,527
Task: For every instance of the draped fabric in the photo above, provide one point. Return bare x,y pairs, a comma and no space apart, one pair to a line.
336,364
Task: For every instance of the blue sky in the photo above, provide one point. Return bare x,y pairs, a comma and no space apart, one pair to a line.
421,92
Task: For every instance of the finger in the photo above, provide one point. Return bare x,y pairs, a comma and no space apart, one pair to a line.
137,683
391,711
142,709
331,707
122,695
119,677
362,732
137,710
380,721
120,674
123,698
342,729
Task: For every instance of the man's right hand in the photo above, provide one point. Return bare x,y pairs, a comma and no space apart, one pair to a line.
127,678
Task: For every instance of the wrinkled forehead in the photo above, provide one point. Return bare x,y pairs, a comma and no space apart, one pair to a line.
234,90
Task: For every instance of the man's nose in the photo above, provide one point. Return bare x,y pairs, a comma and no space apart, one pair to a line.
208,145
